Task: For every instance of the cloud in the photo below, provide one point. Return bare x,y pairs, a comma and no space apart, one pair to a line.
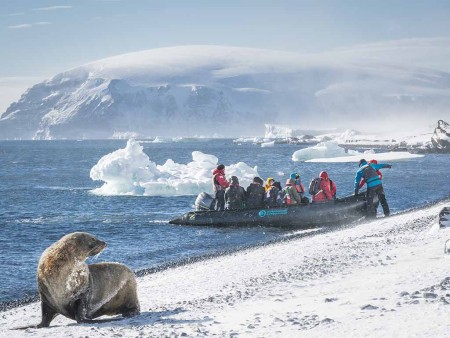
24,25
51,8
14,14
29,25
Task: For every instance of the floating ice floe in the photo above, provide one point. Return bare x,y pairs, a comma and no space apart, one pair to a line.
331,152
321,150
380,157
268,144
130,171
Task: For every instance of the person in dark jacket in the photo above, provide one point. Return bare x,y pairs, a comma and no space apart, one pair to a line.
220,183
273,195
234,195
255,194
368,172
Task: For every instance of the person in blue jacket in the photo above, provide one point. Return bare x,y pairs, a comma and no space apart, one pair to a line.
368,171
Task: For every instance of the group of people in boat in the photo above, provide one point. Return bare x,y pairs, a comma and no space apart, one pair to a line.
229,195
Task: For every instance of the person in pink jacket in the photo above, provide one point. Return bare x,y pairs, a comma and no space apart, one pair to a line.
323,188
220,183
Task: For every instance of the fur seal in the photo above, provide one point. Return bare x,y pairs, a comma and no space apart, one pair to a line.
69,286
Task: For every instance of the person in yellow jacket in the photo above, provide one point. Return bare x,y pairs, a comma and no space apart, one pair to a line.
269,183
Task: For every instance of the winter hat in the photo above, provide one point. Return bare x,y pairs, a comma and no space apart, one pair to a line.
324,175
373,161
268,180
362,162
295,176
234,180
290,181
220,167
258,180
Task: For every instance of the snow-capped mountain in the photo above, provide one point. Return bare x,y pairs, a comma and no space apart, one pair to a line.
230,91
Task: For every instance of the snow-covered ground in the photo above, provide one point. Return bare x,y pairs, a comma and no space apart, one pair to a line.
385,278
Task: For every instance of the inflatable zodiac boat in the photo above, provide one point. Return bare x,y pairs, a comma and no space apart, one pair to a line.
339,211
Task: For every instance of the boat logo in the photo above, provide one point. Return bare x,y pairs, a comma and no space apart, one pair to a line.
273,212
262,213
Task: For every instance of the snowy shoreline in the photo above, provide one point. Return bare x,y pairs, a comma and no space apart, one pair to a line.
388,277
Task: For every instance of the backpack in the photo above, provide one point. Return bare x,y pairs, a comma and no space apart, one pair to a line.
287,195
314,186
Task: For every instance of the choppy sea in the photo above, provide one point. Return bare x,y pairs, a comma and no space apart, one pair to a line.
45,193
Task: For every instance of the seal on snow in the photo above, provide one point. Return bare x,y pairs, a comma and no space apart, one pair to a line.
69,286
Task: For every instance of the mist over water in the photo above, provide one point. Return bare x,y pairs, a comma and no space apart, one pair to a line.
46,192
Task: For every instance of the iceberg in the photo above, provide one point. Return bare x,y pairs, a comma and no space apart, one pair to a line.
130,171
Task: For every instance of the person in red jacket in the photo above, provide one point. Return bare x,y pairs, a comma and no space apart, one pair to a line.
220,183
380,175
325,190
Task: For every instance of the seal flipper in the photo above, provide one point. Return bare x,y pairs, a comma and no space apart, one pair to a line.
81,311
48,314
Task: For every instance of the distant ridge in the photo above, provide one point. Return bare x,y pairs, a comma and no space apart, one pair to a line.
232,91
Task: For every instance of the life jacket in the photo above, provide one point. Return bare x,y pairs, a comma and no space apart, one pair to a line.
267,186
370,176
299,186
215,183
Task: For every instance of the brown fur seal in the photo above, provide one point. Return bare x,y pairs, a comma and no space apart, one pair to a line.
69,286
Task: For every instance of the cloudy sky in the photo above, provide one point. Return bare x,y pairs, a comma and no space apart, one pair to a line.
41,38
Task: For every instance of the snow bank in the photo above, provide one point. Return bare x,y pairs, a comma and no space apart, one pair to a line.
130,171
321,150
386,278
380,157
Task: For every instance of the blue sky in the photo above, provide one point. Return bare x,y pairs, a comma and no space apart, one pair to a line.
42,38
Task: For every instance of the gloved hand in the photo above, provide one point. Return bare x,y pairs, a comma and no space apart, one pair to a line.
388,166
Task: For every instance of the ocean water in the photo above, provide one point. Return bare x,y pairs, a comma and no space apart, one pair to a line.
45,193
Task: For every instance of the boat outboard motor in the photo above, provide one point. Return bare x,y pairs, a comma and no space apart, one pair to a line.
204,201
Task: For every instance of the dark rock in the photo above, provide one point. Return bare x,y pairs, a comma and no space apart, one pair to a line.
441,137
327,321
429,295
444,218
329,300
369,307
